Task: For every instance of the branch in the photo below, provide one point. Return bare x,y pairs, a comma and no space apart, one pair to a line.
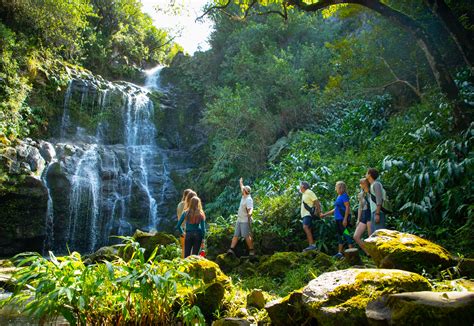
212,9
399,80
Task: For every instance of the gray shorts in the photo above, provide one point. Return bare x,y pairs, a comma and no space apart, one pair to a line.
242,230
377,226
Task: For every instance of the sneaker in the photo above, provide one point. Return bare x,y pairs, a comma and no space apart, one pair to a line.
339,255
252,252
230,252
311,247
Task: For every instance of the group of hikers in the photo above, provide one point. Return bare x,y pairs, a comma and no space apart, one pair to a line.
370,216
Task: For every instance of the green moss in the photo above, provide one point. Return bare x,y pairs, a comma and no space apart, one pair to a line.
289,310
206,270
210,299
392,249
342,296
460,285
428,308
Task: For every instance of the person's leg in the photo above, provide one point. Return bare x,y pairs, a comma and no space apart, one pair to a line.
369,228
308,230
197,238
339,231
358,234
181,241
187,244
245,232
235,238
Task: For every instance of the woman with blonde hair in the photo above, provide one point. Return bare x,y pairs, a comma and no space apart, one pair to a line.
341,213
363,214
187,200
195,226
179,212
180,208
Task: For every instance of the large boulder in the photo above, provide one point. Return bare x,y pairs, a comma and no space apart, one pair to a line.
423,308
257,298
227,262
215,283
461,285
340,297
393,249
466,267
150,241
289,310
108,253
206,270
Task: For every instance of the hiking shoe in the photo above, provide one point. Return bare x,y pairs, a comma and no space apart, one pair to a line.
252,252
230,252
311,247
339,255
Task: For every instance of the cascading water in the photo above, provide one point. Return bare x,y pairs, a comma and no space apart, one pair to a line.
113,178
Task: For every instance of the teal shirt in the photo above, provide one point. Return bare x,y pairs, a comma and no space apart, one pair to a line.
191,227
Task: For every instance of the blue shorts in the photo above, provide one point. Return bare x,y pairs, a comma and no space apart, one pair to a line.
308,220
365,217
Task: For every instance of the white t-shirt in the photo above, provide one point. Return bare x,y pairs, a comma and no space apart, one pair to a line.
245,203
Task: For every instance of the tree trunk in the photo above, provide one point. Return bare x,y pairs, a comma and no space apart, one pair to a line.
458,33
427,45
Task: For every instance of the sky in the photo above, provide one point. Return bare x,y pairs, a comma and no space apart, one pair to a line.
191,35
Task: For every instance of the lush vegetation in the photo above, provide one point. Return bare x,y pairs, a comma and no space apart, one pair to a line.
321,98
40,38
138,290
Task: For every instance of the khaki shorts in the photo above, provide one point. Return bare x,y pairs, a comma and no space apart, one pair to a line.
242,230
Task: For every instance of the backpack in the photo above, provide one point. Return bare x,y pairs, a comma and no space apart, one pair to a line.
311,210
386,204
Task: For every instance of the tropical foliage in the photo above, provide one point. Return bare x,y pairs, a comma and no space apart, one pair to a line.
135,291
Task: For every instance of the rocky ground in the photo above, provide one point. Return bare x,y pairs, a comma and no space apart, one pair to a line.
411,281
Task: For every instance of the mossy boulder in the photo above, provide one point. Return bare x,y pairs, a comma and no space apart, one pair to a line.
227,262
466,267
423,308
210,299
149,241
280,263
289,310
108,253
393,249
340,297
231,322
257,298
461,285
206,270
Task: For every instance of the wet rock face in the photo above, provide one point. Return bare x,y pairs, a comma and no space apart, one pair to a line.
423,308
22,217
393,249
340,297
24,158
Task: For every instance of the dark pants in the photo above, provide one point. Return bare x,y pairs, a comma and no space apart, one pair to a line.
192,243
342,234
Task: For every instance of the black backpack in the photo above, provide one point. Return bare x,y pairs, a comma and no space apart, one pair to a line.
311,210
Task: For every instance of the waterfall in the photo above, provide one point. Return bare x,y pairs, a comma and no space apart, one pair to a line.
49,225
85,199
152,81
112,176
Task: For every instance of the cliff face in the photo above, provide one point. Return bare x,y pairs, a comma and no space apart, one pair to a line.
108,169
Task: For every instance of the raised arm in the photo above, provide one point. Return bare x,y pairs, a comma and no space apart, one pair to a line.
241,183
